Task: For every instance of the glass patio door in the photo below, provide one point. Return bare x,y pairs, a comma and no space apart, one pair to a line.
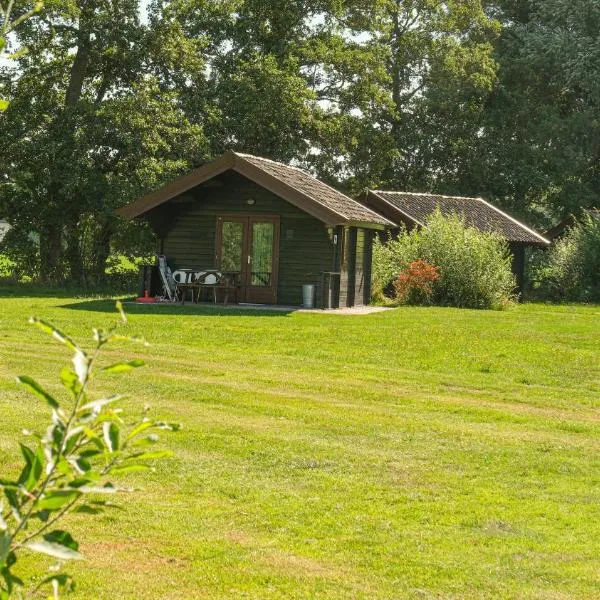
248,248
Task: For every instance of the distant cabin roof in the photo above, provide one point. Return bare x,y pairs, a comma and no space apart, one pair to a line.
560,228
417,207
290,183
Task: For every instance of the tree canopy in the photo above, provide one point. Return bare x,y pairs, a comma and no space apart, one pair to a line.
494,98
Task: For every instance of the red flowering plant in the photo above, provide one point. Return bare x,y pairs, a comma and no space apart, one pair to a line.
415,284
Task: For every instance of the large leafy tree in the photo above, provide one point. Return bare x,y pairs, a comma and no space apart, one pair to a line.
13,14
257,94
352,88
91,124
538,151
437,70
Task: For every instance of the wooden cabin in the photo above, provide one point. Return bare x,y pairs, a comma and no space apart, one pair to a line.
412,209
274,226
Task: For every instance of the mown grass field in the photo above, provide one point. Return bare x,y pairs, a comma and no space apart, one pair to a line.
416,453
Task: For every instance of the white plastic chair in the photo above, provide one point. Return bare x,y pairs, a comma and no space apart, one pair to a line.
166,275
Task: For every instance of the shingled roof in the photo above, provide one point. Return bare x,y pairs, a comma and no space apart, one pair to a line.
290,183
417,207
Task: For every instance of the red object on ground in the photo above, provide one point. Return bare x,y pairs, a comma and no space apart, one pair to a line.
147,299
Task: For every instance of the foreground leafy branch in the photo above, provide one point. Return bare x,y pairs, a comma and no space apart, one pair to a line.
69,467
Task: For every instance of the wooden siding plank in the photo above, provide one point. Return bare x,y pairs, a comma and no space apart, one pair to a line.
305,248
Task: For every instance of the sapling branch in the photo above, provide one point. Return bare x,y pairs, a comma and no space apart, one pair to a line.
81,447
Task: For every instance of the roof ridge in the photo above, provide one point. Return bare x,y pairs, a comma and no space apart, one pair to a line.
427,194
275,162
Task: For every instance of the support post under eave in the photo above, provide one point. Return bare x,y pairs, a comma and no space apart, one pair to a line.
368,266
348,267
518,265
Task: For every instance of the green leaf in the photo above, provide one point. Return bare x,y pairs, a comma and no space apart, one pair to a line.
2,43
107,489
70,380
62,537
149,440
37,390
139,429
85,509
151,455
57,499
5,541
13,502
122,367
111,436
55,333
3,104
167,426
86,479
119,307
81,362
54,549
34,465
99,403
136,339
60,580
129,469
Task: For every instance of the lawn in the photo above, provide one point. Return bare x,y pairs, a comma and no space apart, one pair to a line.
415,453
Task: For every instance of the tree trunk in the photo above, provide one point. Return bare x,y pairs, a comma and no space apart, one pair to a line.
50,253
51,238
102,252
74,254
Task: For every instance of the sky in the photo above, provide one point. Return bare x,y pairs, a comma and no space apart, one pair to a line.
144,7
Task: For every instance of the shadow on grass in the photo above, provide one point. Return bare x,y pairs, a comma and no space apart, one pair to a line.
108,306
33,290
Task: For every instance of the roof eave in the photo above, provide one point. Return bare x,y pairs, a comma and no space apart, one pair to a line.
176,187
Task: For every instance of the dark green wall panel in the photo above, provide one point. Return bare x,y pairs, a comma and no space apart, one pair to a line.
189,223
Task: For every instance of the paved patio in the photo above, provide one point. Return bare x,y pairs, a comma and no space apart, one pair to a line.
355,310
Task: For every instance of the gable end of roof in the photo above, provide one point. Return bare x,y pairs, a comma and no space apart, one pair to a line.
288,182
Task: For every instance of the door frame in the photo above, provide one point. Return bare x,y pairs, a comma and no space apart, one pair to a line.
247,219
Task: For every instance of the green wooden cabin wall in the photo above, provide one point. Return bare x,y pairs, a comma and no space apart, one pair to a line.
187,227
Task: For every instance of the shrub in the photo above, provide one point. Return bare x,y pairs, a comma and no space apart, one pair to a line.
415,285
571,268
474,266
69,466
20,250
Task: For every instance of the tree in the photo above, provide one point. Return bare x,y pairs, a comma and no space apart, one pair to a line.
103,128
438,70
8,23
346,87
538,152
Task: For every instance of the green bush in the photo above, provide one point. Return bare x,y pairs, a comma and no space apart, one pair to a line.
475,267
571,268
20,254
7,267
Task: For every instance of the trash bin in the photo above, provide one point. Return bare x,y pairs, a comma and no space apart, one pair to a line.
308,296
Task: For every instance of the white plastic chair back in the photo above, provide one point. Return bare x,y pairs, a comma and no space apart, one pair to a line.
169,283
